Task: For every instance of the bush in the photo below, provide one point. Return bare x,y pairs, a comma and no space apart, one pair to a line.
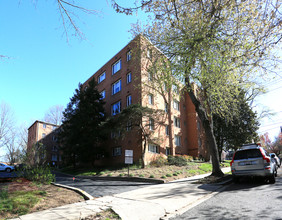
39,174
151,176
141,175
159,162
178,160
169,175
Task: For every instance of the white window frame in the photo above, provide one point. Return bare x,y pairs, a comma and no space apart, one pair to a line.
151,99
128,55
44,125
103,94
128,78
117,151
167,130
177,140
151,124
177,122
128,100
116,87
116,67
101,77
153,148
116,108
176,105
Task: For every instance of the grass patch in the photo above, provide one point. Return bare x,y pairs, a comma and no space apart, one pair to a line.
19,202
206,167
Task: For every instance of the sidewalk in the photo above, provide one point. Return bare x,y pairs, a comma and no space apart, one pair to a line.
155,202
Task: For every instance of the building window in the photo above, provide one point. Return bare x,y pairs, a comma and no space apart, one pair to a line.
151,124
116,87
116,151
43,135
153,148
54,148
54,138
103,94
116,108
167,130
54,128
128,100
151,99
150,76
101,77
44,125
176,104
128,126
115,134
166,107
54,157
128,55
116,67
177,140
128,78
167,151
177,122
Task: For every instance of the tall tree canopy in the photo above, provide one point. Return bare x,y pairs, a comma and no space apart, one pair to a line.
219,46
242,129
80,133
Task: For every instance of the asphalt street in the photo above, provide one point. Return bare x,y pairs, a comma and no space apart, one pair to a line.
99,188
249,199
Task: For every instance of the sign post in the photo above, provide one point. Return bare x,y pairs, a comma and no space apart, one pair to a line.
128,158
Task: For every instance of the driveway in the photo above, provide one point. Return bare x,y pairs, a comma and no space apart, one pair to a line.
99,188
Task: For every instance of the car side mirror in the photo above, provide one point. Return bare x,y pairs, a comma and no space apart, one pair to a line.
272,156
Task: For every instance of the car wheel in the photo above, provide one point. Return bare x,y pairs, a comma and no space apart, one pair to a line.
8,170
272,179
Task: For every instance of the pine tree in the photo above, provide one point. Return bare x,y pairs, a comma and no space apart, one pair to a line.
80,133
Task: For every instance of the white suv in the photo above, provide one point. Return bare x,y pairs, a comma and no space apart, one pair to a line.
253,160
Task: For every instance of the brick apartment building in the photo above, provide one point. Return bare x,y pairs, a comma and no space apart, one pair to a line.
125,80
45,133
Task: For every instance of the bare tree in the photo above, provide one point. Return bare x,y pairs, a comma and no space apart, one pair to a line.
6,122
13,154
54,114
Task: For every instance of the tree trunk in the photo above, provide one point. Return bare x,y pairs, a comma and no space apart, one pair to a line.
143,152
207,125
172,149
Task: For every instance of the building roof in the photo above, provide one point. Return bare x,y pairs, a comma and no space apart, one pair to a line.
43,122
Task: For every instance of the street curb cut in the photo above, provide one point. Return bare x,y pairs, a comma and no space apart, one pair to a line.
85,195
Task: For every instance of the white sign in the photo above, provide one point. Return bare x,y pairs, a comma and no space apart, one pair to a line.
128,156
129,153
128,160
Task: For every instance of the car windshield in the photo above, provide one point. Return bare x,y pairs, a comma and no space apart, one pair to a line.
245,154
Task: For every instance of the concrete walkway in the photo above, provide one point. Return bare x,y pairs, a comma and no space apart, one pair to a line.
155,202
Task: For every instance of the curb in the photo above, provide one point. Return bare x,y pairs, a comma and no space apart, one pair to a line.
85,195
128,179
